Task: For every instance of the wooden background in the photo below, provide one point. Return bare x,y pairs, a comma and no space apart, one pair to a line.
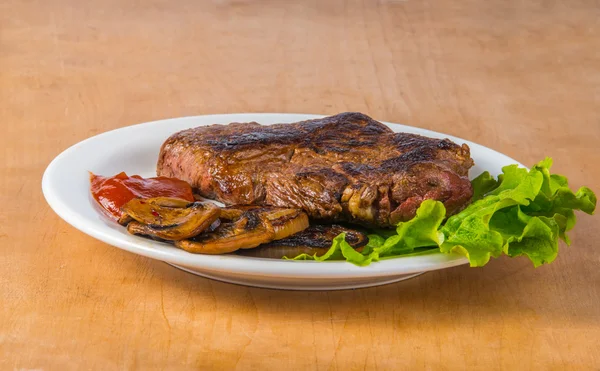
522,77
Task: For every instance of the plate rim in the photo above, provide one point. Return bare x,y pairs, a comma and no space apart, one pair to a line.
235,264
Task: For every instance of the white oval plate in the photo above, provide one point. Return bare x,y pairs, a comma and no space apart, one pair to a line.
134,149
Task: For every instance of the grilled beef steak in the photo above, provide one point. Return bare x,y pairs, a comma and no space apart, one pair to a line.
346,167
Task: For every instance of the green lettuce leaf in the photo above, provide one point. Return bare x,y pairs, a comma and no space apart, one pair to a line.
522,213
525,214
483,184
469,232
420,232
339,249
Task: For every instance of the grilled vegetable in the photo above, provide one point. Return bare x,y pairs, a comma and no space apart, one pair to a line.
251,228
246,232
169,219
315,240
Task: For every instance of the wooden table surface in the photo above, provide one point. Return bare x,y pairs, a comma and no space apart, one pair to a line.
522,78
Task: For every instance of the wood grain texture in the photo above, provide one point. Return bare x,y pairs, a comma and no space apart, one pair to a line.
522,77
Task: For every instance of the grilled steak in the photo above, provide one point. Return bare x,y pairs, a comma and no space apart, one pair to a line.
346,167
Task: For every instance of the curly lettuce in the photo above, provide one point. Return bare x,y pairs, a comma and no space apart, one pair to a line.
521,213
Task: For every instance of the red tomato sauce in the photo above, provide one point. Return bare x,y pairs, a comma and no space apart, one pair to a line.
114,192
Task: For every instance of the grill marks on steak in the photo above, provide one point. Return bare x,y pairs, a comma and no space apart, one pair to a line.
346,167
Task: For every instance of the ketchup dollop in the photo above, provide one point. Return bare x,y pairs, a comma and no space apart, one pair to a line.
114,192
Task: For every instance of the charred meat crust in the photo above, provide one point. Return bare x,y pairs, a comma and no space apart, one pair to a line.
346,167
